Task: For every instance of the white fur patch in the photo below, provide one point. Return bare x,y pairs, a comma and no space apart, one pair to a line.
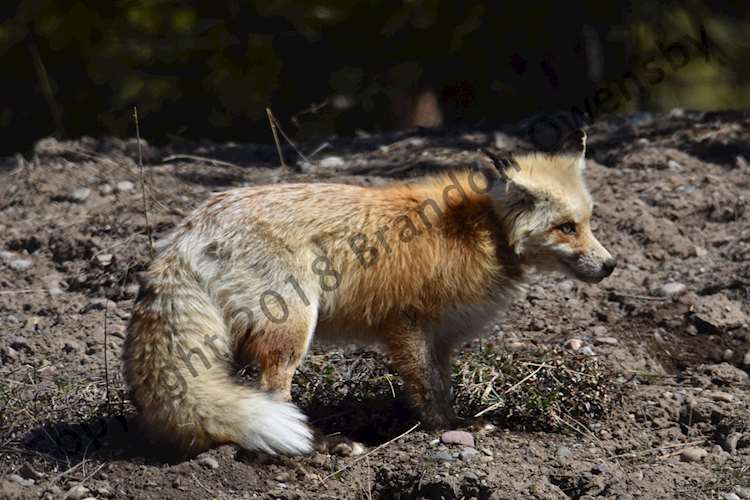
274,426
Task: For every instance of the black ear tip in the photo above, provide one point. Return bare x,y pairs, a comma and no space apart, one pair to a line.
573,143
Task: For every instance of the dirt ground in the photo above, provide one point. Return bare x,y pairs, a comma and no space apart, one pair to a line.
658,354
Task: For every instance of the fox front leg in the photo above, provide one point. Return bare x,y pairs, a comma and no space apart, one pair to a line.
425,372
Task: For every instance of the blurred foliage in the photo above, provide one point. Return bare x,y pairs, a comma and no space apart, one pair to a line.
209,69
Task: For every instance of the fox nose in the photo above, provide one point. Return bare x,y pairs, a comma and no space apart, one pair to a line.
608,266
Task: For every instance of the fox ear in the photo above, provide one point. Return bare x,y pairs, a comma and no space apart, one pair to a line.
501,162
574,144
500,165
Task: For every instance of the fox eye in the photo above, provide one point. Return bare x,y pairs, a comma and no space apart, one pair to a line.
568,228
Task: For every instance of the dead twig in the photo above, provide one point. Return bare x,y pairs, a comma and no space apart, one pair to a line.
143,183
272,122
213,161
638,297
634,454
374,450
512,388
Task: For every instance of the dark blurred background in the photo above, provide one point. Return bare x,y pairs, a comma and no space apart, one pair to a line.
208,70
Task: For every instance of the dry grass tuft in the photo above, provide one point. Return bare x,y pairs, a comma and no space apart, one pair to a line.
538,391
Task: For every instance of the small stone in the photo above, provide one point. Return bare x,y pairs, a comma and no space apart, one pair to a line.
209,463
742,491
104,259
21,264
573,344
567,286
28,472
606,341
730,496
442,456
458,437
693,454
105,189
721,396
342,450
77,492
727,355
331,162
564,453
19,480
672,289
357,449
674,165
588,351
284,477
599,331
124,186
471,476
319,458
600,469
746,359
80,195
731,441
468,454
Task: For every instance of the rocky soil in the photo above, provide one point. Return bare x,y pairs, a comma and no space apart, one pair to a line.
666,338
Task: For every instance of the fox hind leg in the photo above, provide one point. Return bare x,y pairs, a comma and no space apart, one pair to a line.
279,345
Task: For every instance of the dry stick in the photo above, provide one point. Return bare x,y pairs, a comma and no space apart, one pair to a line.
638,297
143,182
633,454
272,122
106,359
375,450
286,137
499,403
49,95
213,161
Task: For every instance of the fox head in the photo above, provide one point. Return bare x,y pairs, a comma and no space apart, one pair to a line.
546,210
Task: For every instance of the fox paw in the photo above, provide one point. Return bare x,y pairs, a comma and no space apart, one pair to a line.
339,445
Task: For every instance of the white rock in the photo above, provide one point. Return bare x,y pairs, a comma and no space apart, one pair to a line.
105,189
573,344
6,256
125,186
77,492
80,194
672,289
588,351
21,264
693,454
606,340
721,396
730,496
19,480
209,462
104,259
332,162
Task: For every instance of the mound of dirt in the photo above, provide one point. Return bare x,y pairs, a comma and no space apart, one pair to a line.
634,388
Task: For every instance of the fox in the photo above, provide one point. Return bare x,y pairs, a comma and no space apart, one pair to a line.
414,267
